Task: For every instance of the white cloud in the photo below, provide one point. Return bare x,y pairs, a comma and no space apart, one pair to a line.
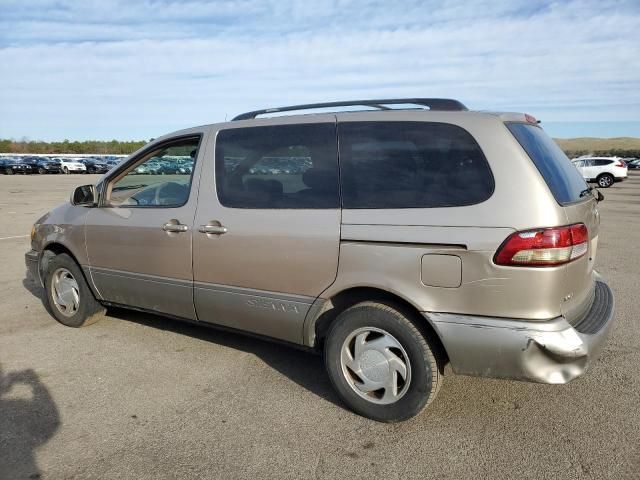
138,69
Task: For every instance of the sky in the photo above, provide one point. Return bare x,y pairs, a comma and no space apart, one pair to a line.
122,69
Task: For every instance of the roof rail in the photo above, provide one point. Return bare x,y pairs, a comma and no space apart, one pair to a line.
431,103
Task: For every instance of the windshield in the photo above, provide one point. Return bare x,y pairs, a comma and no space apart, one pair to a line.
562,177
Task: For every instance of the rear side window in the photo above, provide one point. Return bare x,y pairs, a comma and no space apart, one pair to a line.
411,165
564,180
280,166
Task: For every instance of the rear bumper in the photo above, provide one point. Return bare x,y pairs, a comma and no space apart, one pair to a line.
550,351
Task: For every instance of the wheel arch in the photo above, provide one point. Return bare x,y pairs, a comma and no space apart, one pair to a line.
53,249
325,311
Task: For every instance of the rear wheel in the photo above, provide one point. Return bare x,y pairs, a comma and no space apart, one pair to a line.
380,364
69,298
605,180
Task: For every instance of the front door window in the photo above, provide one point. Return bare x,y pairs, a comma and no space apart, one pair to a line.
162,178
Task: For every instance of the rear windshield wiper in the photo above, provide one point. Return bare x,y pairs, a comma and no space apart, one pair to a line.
586,191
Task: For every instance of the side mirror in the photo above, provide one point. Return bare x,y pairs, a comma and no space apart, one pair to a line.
84,195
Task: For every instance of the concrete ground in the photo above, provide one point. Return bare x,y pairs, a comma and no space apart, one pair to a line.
140,396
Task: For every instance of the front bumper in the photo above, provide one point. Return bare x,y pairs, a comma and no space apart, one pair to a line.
551,351
32,260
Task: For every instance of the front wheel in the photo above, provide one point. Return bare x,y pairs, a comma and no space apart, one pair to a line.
380,363
42,171
65,170
9,171
69,298
605,180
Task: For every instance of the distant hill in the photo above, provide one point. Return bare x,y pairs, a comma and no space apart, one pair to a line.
621,146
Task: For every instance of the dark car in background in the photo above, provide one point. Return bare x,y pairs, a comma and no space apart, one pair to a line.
42,165
9,166
633,163
95,165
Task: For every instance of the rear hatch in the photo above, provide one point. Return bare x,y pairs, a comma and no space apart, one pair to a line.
579,205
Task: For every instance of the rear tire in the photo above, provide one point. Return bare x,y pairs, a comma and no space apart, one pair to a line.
68,296
605,180
379,362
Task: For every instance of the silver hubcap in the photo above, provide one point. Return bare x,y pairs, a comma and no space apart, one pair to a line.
375,365
605,181
65,292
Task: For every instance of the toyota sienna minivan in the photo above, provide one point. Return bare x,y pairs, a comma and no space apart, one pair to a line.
394,238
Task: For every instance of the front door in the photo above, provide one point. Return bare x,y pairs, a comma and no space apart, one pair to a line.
139,239
267,229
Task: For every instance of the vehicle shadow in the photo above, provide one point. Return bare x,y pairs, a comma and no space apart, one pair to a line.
302,367
32,286
28,419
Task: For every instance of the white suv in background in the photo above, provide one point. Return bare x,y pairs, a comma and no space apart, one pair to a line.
72,166
602,170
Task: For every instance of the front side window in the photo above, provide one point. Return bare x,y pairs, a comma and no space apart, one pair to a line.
279,166
161,179
411,165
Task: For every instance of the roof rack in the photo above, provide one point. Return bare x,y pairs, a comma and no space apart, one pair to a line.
446,104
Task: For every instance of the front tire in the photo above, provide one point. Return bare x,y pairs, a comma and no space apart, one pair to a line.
9,171
605,180
379,362
68,297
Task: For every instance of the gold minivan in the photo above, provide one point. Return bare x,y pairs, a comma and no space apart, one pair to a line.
396,237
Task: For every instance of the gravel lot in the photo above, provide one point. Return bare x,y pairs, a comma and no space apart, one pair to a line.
140,396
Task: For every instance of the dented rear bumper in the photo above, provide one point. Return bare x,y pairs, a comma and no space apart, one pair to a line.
550,351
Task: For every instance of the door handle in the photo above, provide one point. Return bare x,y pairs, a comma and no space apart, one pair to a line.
173,226
213,229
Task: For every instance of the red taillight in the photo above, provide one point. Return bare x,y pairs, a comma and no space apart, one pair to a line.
544,247
620,163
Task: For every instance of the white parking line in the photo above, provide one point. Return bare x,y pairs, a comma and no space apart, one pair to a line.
16,236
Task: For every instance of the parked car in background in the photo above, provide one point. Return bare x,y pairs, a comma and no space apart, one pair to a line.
44,165
148,168
390,241
94,165
112,162
10,166
72,166
604,171
633,164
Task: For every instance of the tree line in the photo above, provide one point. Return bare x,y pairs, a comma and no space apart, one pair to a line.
115,147
112,147
614,152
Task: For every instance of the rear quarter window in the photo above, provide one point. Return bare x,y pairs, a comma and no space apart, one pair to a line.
562,177
389,165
